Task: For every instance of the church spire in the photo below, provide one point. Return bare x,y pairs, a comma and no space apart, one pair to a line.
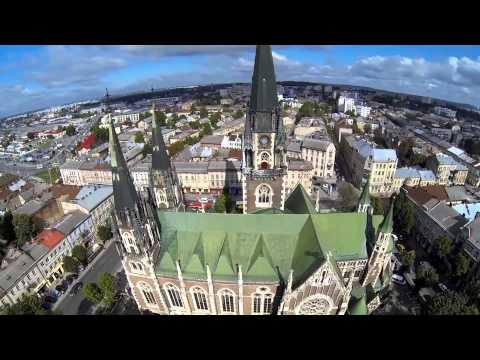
160,160
364,201
264,88
124,194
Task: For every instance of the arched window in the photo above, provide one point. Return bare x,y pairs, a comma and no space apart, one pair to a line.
199,298
147,293
174,295
265,159
227,299
262,301
264,195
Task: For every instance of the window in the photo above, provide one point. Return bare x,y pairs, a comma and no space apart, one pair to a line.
262,301
264,194
200,298
227,299
174,295
147,293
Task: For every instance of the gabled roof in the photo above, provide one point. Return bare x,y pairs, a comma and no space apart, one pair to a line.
299,202
160,160
266,246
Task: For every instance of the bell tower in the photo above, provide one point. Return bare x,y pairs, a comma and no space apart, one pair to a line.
264,150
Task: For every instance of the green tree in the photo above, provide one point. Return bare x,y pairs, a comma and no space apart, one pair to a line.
70,264
24,228
147,149
27,305
195,125
176,147
355,128
238,114
79,252
377,205
306,110
450,303
101,134
407,258
427,273
139,138
349,196
92,292
108,286
7,230
350,113
161,118
443,246
215,118
206,130
404,151
462,265
203,113
221,204
104,233
70,130
403,214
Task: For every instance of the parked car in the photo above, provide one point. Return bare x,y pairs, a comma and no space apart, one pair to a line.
203,200
71,278
46,305
398,279
75,289
50,299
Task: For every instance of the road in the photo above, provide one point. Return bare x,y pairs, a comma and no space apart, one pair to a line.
107,261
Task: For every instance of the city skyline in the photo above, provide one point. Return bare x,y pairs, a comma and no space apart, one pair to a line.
36,77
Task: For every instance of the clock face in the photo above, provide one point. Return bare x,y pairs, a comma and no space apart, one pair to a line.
264,140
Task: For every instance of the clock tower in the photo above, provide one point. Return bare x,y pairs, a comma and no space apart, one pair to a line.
264,150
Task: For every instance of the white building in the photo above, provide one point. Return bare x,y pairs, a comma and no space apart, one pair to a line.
346,104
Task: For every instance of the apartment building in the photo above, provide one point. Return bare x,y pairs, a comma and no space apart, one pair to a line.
321,154
447,169
298,172
412,177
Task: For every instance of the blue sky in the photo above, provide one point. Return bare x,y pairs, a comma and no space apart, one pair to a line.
39,76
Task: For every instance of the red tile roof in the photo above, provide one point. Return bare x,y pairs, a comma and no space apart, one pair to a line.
88,142
50,238
421,195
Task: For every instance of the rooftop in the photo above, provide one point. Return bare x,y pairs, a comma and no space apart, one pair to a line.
30,207
316,144
50,238
469,211
384,155
70,222
89,197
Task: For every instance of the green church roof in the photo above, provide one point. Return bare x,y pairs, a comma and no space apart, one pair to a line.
266,246
299,202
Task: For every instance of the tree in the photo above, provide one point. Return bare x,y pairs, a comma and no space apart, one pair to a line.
238,114
108,286
7,230
203,113
101,134
139,138
407,258
443,246
104,233
31,135
349,195
92,292
355,128
147,149
195,125
450,303
404,150
306,110
462,265
70,130
206,130
403,214
377,205
24,228
176,148
27,305
70,264
215,118
350,113
427,273
79,252
161,118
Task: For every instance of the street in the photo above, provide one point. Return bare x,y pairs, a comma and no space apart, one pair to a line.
108,261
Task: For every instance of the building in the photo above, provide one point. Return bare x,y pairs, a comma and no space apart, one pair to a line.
272,261
82,173
442,111
307,126
447,169
321,154
299,172
232,142
212,141
413,177
345,104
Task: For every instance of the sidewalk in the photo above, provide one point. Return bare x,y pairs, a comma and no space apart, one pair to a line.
82,274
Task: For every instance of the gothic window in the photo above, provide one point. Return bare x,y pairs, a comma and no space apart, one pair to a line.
227,299
147,293
264,194
200,298
316,305
262,301
174,295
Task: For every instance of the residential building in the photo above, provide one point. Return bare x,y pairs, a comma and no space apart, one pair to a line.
308,125
232,142
447,169
212,141
299,172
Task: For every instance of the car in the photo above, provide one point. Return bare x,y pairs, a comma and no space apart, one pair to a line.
442,287
398,279
46,306
75,289
60,289
71,278
50,299
203,199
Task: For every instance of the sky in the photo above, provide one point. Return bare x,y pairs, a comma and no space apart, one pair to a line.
33,77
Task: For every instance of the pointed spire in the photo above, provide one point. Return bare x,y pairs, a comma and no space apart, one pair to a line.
124,194
364,197
264,88
160,160
386,226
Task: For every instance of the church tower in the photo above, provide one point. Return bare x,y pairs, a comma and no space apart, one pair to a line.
264,150
381,249
163,180
135,230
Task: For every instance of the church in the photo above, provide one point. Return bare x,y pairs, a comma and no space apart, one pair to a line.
279,257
